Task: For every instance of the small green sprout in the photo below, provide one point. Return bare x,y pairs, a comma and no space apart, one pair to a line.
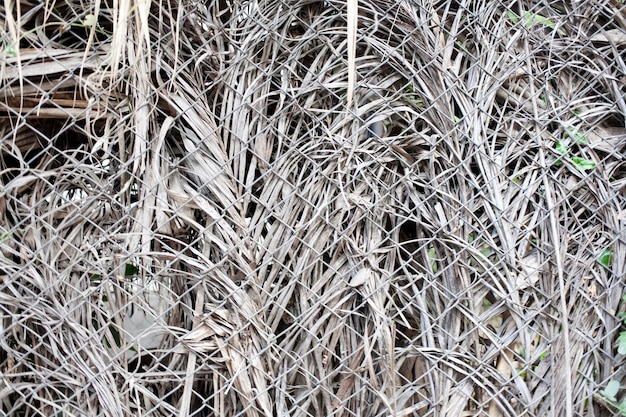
131,270
11,52
612,388
116,337
561,147
610,391
606,258
578,137
486,252
609,394
462,47
414,97
583,164
432,255
530,19
621,343
513,17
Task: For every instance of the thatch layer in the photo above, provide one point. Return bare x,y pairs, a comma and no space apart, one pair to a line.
194,222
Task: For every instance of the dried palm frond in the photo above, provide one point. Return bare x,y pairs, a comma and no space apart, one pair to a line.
311,208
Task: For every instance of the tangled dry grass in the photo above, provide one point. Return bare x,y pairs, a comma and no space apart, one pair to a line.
194,222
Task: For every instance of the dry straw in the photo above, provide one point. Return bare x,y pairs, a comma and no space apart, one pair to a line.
311,208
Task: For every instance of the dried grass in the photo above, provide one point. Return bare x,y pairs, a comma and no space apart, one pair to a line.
392,229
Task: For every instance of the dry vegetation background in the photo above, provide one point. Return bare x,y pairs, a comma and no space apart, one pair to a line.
194,223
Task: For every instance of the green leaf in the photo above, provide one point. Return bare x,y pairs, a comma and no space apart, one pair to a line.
561,147
621,343
513,17
417,100
606,258
432,254
611,390
583,164
578,137
116,337
131,270
414,97
462,46
530,19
